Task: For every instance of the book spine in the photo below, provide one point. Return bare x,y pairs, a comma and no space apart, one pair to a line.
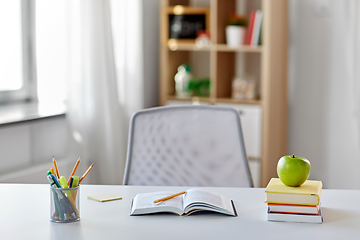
298,209
260,33
294,217
302,213
282,217
256,28
250,27
292,205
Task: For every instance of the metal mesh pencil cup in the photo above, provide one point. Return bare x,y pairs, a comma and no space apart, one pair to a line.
64,204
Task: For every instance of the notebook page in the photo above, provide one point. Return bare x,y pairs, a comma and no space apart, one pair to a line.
202,196
146,200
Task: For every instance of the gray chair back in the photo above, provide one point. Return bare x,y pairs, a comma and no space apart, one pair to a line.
192,145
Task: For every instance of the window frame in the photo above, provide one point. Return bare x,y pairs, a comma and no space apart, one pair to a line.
28,92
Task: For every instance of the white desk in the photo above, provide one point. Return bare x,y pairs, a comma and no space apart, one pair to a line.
24,214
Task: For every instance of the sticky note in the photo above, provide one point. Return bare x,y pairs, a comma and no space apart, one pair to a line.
104,197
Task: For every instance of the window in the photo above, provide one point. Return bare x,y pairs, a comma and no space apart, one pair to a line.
34,50
17,73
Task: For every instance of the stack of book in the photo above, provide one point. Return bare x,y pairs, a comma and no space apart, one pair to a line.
294,204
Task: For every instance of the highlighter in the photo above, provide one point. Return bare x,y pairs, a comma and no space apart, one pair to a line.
75,181
63,182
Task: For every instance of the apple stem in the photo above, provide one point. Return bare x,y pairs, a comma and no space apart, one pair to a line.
293,156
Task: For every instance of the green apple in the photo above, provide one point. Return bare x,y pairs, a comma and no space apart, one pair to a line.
293,170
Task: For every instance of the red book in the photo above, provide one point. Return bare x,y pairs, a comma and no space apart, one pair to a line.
298,209
250,27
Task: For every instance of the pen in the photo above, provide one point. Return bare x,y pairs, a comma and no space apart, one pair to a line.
87,171
74,170
63,205
71,182
74,183
59,207
56,168
68,193
68,203
169,197
55,181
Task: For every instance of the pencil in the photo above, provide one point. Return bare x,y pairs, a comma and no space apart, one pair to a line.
74,170
56,168
87,171
169,197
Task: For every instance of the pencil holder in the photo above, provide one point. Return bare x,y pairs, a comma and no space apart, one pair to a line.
64,204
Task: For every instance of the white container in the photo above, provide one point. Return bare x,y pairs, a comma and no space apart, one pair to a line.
182,79
235,35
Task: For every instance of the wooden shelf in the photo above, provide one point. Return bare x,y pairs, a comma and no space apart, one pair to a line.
190,99
266,64
235,101
187,47
216,47
254,158
245,48
217,100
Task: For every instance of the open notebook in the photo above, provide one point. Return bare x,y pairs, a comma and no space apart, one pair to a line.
194,200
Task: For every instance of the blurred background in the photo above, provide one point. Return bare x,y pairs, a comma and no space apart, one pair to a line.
72,73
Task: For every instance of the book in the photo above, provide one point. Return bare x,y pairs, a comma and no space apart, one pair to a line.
193,201
260,34
256,28
307,194
299,209
250,27
301,218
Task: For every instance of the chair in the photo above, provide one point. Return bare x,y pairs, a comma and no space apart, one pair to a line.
192,145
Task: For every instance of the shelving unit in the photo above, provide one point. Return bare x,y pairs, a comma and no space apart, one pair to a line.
265,116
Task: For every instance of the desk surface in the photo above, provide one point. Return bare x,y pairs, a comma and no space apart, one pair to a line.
25,215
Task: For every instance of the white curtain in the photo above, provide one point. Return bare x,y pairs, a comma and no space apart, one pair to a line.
353,58
106,82
324,89
353,55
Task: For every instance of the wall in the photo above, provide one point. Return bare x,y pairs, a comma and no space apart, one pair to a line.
322,124
151,52
27,149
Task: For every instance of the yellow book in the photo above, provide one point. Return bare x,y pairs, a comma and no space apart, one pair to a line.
307,194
